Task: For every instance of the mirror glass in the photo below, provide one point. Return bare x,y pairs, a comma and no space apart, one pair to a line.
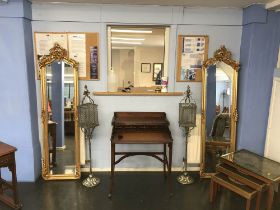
137,58
219,83
61,125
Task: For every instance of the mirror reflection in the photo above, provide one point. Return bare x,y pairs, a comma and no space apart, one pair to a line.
219,79
137,57
61,124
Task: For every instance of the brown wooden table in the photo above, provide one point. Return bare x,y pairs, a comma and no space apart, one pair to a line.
256,166
7,159
143,128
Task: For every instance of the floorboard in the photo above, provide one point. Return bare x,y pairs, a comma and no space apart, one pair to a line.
133,191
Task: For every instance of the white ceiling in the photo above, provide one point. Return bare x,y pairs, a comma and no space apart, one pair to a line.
190,3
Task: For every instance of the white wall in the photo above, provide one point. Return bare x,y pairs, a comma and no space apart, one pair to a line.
122,69
146,55
222,25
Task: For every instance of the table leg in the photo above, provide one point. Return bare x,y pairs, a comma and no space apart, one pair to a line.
1,185
164,160
112,169
270,197
211,194
258,201
169,169
14,184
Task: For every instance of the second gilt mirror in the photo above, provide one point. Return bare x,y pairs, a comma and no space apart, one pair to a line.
59,100
219,109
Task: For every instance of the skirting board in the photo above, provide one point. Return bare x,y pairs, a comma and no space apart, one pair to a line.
86,169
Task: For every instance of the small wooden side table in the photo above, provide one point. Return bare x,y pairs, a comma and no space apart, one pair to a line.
7,159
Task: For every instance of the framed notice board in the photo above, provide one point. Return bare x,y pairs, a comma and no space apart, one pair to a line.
191,53
82,47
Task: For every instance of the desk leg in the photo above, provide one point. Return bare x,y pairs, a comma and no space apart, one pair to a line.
164,160
270,197
169,169
112,169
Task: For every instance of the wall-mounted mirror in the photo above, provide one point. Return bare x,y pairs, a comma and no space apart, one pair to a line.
136,57
219,109
59,100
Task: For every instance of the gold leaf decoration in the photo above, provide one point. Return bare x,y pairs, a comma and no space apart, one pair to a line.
222,55
57,53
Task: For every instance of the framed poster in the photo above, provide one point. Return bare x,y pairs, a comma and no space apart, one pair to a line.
192,52
157,71
145,67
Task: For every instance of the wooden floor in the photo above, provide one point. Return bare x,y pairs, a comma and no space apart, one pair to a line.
133,191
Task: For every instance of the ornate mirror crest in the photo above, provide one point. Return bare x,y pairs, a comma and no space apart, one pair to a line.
57,53
222,55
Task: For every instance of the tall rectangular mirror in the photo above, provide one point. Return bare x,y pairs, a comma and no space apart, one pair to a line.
59,96
219,109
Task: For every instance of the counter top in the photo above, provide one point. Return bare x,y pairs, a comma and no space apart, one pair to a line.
137,94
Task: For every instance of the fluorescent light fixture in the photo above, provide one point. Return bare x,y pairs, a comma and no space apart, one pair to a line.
121,42
127,39
65,82
3,2
65,75
123,48
132,31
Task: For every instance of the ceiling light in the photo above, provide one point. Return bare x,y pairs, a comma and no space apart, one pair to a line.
128,39
65,75
121,42
131,31
3,2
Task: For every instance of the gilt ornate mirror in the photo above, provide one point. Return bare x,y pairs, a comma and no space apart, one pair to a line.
219,109
59,100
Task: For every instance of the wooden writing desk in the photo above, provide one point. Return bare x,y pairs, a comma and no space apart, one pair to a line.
141,128
7,159
256,166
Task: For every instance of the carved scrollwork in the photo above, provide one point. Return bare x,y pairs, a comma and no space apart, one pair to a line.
77,171
235,115
44,168
222,54
43,115
57,53
203,114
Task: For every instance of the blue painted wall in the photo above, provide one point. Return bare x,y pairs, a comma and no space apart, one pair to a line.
258,58
58,101
18,121
211,99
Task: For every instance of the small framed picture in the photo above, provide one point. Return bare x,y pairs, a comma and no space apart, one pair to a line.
157,71
145,67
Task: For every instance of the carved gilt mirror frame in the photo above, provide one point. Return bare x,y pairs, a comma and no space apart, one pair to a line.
57,53
220,55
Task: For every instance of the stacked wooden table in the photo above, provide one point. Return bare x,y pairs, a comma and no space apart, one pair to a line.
244,168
